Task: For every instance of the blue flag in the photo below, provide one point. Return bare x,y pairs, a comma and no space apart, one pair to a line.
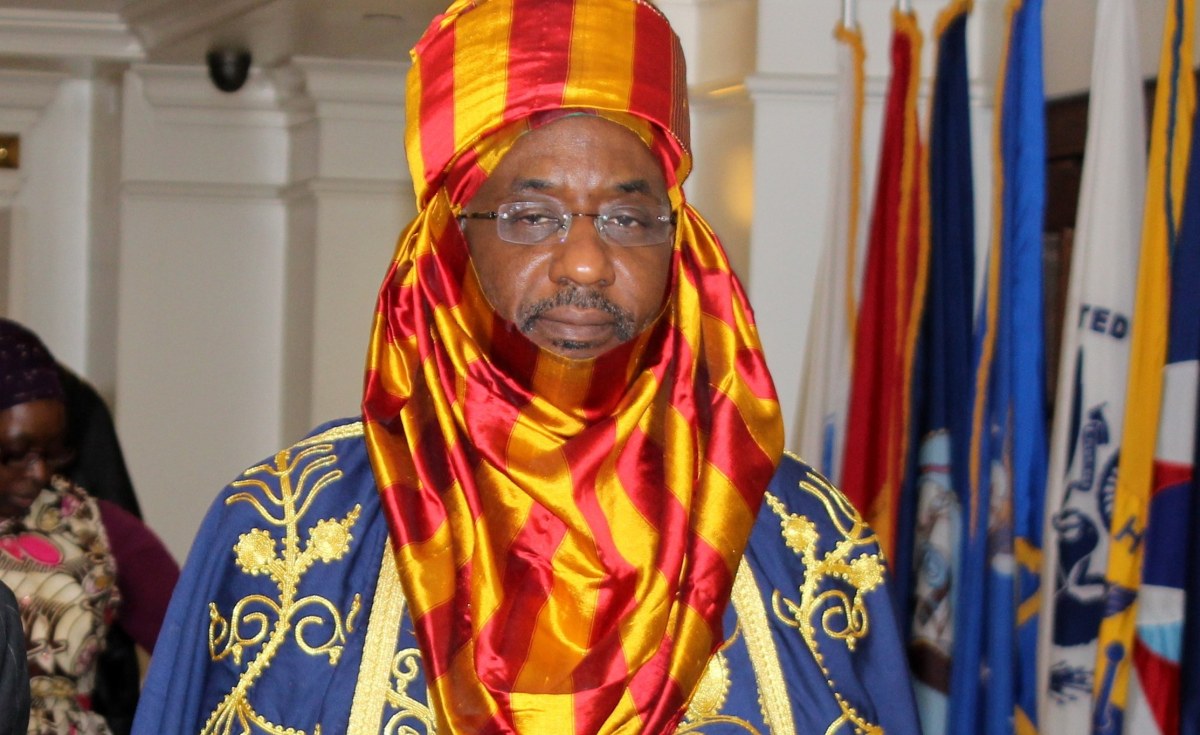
930,528
995,684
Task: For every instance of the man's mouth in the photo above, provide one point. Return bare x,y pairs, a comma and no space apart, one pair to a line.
576,318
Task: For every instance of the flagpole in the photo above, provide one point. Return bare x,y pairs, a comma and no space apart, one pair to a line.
904,6
849,14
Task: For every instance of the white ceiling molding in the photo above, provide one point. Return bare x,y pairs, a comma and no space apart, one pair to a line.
26,94
160,22
199,191
355,82
272,98
775,85
67,34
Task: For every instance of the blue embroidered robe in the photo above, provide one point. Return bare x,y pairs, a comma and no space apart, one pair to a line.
287,619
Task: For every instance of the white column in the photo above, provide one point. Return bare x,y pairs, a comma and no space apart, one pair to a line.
363,198
43,285
58,257
213,253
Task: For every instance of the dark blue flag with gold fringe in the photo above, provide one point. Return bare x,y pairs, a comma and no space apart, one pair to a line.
930,529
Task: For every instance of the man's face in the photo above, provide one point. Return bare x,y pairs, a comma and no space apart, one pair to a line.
583,295
31,449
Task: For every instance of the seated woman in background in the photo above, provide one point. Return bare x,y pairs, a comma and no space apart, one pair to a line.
98,464
77,565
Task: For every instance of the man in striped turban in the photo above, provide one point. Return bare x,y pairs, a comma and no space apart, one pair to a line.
565,508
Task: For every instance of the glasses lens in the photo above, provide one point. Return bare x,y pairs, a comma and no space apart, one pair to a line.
635,226
55,460
530,223
527,223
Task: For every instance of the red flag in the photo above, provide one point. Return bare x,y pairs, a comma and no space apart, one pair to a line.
876,433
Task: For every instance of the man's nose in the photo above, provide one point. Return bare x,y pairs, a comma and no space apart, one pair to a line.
583,257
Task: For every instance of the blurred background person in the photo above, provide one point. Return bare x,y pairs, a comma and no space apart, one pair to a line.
97,464
78,565
14,674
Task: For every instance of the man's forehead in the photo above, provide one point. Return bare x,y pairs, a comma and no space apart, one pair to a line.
578,153
522,185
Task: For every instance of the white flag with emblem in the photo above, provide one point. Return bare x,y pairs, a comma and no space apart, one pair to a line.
1093,366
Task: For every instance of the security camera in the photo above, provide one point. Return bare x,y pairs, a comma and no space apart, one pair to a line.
228,67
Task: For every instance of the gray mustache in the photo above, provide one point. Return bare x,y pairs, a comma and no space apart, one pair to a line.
583,298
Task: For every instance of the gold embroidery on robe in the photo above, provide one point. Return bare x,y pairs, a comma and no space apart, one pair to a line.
386,674
834,584
260,625
773,697
710,696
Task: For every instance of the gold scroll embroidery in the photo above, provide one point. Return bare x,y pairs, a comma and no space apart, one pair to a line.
760,646
841,608
708,700
386,674
266,623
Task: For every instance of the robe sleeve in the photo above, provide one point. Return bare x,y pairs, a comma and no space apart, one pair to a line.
825,586
268,621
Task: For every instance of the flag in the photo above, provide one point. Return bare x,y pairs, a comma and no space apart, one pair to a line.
994,687
1155,695
877,430
1086,437
825,385
942,381
1133,615
1190,673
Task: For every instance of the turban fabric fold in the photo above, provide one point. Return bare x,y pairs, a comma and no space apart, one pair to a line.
566,531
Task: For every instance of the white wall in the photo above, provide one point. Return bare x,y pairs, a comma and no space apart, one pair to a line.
716,38
1070,23
364,197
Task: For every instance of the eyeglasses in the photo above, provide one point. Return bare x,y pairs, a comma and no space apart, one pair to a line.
530,223
55,460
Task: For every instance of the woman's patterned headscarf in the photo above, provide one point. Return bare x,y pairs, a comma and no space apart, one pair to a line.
28,371
566,531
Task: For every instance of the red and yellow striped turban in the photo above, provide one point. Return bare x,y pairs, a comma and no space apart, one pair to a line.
566,531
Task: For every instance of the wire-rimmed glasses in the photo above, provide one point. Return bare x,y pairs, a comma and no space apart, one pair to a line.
625,225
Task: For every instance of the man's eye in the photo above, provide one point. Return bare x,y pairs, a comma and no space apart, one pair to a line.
535,218
630,219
